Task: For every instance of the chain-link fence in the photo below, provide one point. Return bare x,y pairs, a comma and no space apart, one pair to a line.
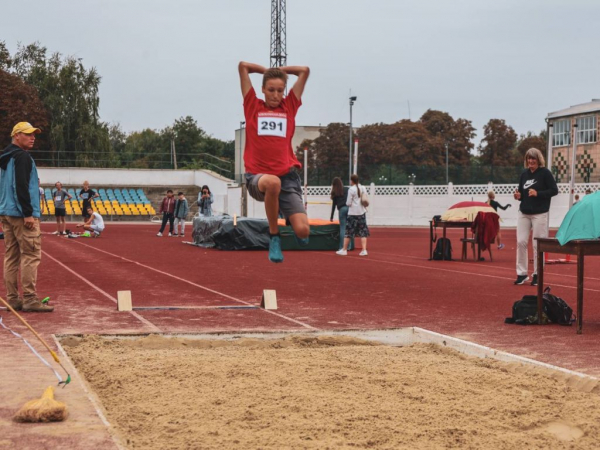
387,174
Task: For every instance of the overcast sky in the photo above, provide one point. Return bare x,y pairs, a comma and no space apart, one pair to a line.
477,59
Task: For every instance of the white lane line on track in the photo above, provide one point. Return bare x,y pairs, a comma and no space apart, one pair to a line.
495,267
145,321
305,325
369,258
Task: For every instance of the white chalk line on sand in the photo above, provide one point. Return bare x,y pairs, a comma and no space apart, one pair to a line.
305,325
145,321
439,269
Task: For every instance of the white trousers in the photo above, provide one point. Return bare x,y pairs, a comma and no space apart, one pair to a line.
525,223
177,222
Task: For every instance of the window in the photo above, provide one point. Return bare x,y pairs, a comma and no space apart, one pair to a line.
586,129
561,133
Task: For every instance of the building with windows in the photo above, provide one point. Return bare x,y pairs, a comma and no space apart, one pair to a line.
579,125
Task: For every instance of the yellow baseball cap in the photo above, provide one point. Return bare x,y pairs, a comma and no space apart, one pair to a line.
24,127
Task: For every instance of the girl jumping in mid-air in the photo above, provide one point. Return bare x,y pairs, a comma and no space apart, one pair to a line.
271,165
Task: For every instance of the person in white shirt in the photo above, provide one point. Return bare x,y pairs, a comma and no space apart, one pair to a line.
94,224
357,218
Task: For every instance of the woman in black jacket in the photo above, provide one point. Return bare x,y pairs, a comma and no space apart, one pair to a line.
536,188
339,196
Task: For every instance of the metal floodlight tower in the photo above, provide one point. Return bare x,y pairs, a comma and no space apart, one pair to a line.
278,39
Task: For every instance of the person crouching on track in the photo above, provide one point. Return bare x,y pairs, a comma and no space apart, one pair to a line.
180,213
95,223
167,208
271,165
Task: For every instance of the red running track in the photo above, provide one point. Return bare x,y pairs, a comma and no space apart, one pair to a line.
395,286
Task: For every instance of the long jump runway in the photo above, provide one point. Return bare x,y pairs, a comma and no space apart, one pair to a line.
395,286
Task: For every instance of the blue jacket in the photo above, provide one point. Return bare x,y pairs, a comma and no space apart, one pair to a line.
181,209
19,192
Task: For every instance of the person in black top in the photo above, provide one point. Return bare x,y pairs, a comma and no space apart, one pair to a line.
86,195
536,188
494,204
339,196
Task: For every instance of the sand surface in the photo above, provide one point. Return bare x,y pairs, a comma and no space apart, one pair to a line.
326,393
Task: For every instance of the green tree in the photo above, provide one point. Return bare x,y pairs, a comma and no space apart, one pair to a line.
329,150
455,135
496,148
527,141
69,93
19,102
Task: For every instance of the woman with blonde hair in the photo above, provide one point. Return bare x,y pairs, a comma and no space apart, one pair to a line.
535,191
494,204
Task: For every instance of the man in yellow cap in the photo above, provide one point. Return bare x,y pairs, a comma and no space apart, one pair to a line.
20,215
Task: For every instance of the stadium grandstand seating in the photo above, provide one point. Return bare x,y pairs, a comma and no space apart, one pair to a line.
111,202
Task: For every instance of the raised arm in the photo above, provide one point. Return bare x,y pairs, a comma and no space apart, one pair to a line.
245,69
302,72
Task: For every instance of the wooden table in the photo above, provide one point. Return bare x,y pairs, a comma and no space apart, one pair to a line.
581,248
445,224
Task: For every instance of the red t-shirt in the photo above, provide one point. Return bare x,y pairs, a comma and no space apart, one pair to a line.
269,135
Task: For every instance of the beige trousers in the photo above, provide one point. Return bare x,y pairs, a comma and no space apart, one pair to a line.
24,251
525,223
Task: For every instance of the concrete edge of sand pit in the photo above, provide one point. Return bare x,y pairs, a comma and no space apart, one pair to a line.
392,336
90,394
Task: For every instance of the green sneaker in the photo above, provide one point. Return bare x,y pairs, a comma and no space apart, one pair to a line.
275,254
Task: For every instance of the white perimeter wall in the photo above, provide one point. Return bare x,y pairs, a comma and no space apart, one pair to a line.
390,205
416,205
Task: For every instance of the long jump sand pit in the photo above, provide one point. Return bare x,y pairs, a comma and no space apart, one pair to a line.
320,392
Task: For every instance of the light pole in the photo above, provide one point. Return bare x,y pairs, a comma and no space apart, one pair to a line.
352,100
447,180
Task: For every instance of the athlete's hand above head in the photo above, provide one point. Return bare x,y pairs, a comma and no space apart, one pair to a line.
245,69
302,72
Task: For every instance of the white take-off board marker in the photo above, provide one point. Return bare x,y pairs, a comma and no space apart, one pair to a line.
124,301
269,299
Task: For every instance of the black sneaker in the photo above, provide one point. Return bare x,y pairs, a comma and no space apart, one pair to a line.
534,280
521,279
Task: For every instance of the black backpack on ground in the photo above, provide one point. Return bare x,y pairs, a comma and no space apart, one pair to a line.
555,310
438,252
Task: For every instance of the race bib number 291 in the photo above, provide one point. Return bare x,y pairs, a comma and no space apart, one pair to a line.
272,124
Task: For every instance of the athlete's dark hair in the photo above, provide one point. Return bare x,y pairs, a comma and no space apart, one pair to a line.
272,73
337,188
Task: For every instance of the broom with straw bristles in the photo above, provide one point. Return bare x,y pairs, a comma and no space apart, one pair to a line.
45,409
